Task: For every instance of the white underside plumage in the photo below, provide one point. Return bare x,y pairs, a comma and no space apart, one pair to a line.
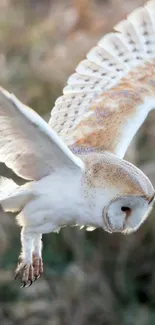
45,210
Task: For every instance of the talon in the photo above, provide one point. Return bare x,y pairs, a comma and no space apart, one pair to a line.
25,273
16,276
29,284
36,277
29,272
23,285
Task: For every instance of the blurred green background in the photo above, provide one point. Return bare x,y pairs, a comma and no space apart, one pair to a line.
90,278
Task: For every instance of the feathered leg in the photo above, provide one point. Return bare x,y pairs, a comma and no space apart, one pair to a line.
37,256
31,267
25,267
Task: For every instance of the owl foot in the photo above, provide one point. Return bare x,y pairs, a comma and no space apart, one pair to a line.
28,273
25,272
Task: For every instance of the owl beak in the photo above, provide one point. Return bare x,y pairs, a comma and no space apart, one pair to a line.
152,198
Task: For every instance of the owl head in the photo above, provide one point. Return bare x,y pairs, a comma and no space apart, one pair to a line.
124,194
133,202
126,213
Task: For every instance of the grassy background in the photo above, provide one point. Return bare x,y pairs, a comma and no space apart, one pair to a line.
89,277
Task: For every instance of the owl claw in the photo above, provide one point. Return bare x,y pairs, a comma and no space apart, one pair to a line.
30,283
23,284
36,278
25,273
16,276
28,273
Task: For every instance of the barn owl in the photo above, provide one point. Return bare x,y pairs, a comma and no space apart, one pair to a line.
74,164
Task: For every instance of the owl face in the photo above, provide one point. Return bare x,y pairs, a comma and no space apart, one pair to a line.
126,213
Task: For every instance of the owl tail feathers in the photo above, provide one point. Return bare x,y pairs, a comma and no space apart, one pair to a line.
12,196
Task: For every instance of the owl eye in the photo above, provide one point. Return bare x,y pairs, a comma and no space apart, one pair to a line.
125,209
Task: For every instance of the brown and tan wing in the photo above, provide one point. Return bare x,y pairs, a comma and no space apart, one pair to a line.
113,90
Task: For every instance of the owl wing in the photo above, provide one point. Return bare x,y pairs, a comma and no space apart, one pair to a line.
27,144
113,90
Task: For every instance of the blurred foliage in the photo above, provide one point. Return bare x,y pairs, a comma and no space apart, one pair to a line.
89,277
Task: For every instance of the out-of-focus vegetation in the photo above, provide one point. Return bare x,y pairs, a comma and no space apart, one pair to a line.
90,278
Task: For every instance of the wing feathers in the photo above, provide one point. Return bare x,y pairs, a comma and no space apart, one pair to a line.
129,35
77,78
104,95
140,18
27,144
103,58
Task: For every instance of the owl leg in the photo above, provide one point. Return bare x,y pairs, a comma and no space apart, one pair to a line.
31,267
25,267
37,256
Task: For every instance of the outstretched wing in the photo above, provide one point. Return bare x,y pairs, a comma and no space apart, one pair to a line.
27,144
113,90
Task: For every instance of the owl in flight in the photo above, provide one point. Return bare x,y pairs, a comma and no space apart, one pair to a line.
74,164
